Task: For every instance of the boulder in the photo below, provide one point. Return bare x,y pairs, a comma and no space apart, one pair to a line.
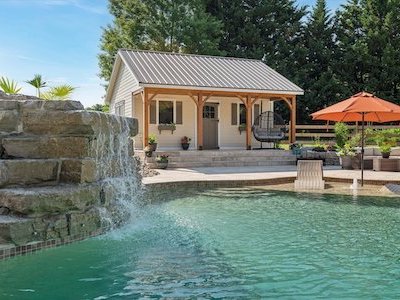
28,172
46,147
43,201
78,171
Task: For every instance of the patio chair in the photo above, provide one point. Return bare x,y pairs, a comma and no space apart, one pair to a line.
309,175
269,127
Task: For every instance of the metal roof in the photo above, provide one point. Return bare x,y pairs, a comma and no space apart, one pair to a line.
172,69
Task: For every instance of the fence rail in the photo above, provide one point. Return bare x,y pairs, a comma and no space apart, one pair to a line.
310,132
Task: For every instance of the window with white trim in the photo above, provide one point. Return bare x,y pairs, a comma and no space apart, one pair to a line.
120,108
166,112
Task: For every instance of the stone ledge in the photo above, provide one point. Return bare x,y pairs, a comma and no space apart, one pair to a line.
42,201
16,172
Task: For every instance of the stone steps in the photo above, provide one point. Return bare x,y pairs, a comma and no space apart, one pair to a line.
224,158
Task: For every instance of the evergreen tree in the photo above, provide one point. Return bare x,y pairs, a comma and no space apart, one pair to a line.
163,25
318,79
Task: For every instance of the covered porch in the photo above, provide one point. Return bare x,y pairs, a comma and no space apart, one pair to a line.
197,102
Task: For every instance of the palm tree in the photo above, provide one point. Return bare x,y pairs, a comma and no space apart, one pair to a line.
60,92
38,83
9,86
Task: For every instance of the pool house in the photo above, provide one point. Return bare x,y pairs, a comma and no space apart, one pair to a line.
212,100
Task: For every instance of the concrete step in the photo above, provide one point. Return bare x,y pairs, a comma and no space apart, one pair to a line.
225,164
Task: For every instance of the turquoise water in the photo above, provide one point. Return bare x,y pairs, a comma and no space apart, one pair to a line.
227,244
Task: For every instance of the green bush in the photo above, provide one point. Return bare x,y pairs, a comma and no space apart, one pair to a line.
342,134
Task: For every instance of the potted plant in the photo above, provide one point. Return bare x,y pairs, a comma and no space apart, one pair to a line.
318,145
347,153
185,142
152,142
385,140
148,151
296,148
162,161
170,126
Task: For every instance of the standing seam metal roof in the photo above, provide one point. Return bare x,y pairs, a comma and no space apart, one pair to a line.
161,68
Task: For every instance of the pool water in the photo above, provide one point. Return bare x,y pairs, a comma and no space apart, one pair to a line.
227,243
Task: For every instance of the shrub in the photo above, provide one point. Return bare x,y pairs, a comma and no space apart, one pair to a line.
342,134
152,139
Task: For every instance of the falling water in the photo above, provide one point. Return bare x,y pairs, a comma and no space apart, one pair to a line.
117,170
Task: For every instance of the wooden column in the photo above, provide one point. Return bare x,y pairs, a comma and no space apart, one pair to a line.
146,104
200,105
292,137
249,109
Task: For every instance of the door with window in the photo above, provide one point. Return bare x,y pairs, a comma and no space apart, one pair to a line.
210,126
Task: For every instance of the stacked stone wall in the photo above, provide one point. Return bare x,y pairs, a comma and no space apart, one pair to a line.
51,177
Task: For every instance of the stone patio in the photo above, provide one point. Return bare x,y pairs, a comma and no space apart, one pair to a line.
264,175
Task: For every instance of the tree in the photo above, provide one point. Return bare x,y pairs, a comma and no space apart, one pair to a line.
162,25
9,86
369,44
60,92
99,107
38,83
318,78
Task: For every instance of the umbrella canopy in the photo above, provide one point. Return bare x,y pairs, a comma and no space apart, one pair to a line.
364,107
360,105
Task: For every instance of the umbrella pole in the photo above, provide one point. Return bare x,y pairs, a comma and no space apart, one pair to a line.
362,150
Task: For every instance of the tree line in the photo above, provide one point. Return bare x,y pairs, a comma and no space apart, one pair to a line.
331,55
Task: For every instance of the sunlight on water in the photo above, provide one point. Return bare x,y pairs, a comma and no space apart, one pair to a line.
227,243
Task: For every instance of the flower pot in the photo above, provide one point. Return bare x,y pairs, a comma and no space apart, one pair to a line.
162,164
153,146
385,154
346,162
185,146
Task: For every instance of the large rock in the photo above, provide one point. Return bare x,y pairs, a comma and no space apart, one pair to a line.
28,172
78,171
9,121
46,147
16,230
51,105
42,201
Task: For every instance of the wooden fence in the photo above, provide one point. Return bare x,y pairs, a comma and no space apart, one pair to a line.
326,132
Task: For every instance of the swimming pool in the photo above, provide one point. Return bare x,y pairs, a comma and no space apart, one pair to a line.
226,243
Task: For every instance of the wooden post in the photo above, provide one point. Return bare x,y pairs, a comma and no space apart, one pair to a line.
200,105
146,104
292,138
249,108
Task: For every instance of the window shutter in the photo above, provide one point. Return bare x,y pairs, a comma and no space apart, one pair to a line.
256,111
153,112
234,114
179,108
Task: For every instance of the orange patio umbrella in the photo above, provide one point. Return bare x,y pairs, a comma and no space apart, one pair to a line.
361,107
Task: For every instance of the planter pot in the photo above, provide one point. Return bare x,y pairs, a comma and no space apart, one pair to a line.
385,154
162,164
185,146
346,162
153,147
149,153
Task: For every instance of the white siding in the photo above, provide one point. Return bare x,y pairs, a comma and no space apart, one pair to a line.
125,84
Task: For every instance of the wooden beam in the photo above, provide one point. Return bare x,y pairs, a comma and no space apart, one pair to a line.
200,105
249,109
239,95
254,100
146,104
292,137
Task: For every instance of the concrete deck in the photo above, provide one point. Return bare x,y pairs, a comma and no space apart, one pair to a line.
260,175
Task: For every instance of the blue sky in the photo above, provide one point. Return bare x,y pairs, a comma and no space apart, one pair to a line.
59,39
